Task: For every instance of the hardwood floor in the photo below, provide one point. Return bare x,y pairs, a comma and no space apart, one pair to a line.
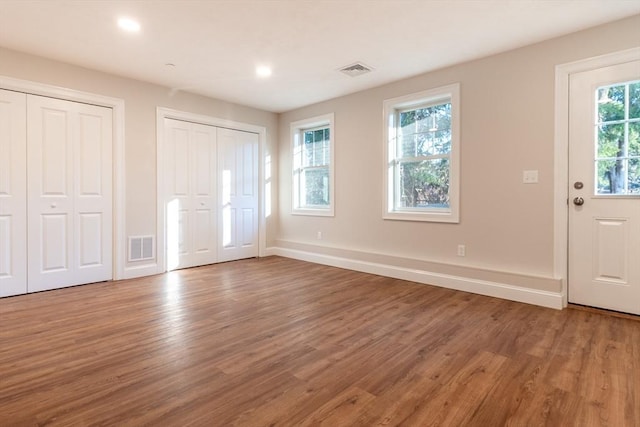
279,342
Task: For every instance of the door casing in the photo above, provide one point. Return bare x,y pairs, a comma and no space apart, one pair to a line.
118,154
161,114
561,155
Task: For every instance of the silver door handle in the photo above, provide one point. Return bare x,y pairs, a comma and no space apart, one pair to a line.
578,201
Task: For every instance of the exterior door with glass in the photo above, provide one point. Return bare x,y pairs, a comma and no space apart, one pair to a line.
604,193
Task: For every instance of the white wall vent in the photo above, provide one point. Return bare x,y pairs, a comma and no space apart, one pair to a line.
356,69
141,248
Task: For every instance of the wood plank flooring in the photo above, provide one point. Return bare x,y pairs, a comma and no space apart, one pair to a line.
279,342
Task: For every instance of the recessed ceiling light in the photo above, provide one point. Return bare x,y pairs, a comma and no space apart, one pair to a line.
128,24
263,71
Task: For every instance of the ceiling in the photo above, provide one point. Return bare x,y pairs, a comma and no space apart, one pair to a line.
215,45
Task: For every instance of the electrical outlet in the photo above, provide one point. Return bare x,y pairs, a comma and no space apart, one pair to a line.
319,235
462,250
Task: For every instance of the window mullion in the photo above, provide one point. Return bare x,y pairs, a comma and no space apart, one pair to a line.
422,158
625,150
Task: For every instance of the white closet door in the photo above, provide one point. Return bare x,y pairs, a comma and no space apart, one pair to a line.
13,190
69,193
238,174
190,191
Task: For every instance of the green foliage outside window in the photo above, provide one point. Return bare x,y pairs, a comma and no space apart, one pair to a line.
423,162
316,160
618,139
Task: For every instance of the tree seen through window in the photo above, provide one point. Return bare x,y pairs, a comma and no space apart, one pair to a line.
618,139
423,157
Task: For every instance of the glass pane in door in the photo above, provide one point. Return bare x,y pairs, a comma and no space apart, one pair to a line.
617,150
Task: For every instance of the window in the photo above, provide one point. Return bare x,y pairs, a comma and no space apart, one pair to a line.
422,162
313,166
618,140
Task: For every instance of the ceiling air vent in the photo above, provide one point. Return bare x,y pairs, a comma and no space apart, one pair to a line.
356,69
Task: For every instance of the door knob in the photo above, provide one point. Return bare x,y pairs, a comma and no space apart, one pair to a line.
578,201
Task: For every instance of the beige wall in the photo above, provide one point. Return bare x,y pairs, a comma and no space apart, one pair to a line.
507,126
141,100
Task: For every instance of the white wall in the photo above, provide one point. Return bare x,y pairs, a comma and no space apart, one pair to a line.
141,100
507,126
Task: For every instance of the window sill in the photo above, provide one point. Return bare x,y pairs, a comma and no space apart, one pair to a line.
446,217
313,212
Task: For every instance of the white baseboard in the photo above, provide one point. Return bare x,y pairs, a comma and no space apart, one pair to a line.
140,271
492,289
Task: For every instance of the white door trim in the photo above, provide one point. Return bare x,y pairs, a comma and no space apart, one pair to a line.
561,154
117,106
168,113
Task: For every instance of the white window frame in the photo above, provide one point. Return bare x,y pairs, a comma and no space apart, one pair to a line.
449,93
297,130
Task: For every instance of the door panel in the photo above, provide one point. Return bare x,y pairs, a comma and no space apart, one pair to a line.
50,206
184,234
211,199
190,196
69,186
90,239
204,194
604,194
247,224
249,162
238,171
54,243
179,160
93,194
13,194
611,250
51,152
90,156
6,253
203,161
177,191
202,230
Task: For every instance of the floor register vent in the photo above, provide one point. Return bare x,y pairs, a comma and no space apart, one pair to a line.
141,248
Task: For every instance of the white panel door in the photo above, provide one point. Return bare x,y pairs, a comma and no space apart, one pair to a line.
604,173
13,193
238,174
69,187
190,194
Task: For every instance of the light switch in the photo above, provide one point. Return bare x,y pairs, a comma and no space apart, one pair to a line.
530,177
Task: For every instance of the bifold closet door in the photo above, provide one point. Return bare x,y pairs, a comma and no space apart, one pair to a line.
190,194
13,193
238,174
69,193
